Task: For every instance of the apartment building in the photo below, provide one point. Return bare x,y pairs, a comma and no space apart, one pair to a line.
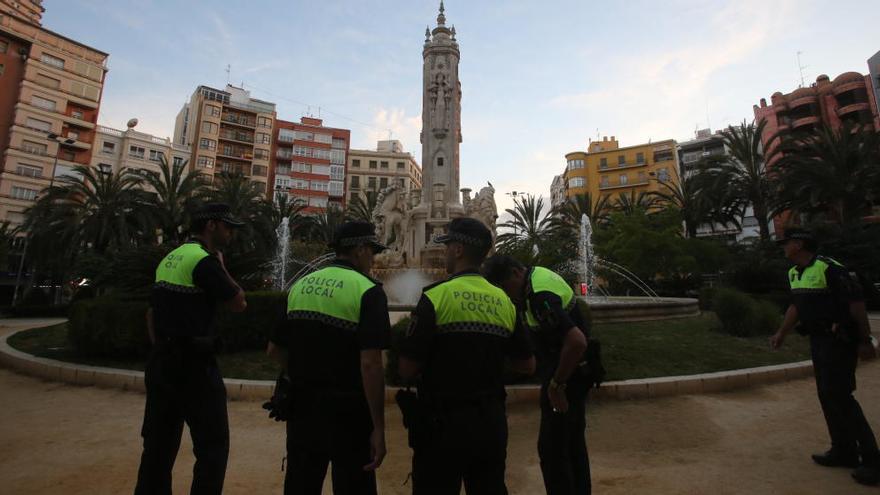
117,149
606,169
374,170
50,95
308,163
228,132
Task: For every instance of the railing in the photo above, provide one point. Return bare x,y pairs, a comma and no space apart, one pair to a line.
615,185
33,150
111,131
238,136
253,107
240,120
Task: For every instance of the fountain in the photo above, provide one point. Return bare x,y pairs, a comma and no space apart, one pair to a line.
605,307
279,264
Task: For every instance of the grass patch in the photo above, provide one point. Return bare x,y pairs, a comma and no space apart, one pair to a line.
629,350
686,346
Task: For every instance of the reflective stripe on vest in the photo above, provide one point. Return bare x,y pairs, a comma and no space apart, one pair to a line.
812,280
544,280
331,295
175,272
470,304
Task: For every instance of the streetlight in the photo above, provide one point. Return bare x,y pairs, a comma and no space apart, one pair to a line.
514,194
51,137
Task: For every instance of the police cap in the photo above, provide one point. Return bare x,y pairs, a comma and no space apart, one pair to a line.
357,233
217,211
797,234
468,231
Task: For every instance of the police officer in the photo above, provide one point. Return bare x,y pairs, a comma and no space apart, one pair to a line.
183,382
552,314
461,332
827,302
331,346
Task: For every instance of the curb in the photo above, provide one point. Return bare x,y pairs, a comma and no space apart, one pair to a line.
258,390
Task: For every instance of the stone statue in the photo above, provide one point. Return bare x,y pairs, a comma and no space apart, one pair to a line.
391,218
483,207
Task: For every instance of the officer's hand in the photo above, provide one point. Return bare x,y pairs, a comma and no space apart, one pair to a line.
377,449
776,340
220,257
558,400
867,350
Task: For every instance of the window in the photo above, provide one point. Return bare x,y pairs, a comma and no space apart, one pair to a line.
321,169
2,69
371,183
286,135
401,165
282,182
302,167
212,110
3,46
576,182
355,181
108,147
207,144
374,164
43,103
205,162
77,114
209,128
383,164
53,61
603,163
643,177
663,175
40,125
621,160
28,170
401,183
439,161
575,164
136,152
105,168
337,172
640,158
282,169
264,138
264,122
383,182
156,156
261,154
44,80
604,181
84,90
299,184
261,170
24,193
338,143
178,161
624,179
662,156
34,148
73,135
319,202
335,188
337,157
356,163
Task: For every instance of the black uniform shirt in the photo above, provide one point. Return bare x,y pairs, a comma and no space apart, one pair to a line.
177,314
554,323
460,365
819,310
327,357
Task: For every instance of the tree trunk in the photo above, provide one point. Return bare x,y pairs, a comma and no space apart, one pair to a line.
763,221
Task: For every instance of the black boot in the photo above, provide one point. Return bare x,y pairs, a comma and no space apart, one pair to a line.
833,458
867,474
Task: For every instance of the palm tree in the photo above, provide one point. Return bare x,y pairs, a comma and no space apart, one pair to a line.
567,217
286,206
634,202
695,202
361,206
175,192
744,174
323,225
528,226
835,172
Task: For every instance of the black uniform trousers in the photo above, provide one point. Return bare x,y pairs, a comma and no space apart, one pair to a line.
834,364
183,387
464,442
562,447
329,430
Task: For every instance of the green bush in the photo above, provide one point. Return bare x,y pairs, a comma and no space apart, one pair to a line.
250,330
108,327
38,310
736,310
744,316
707,294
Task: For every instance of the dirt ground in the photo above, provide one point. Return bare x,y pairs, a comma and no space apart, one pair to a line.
58,438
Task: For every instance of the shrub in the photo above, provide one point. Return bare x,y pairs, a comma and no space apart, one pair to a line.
768,317
108,327
36,311
36,297
251,329
707,294
736,310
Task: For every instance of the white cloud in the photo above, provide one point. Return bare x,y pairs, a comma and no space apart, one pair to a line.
405,128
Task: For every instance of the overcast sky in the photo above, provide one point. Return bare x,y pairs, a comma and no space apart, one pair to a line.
539,78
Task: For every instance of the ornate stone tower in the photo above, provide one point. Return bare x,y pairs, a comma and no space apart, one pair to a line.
441,138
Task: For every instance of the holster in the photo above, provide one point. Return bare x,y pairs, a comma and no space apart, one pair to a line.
280,406
414,416
591,368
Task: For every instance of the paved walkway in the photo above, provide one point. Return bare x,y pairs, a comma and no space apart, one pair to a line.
64,439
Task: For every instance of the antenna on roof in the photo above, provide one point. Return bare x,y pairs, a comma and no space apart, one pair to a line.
228,72
801,68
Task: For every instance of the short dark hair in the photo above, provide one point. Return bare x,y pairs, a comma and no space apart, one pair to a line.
810,245
198,226
500,267
475,254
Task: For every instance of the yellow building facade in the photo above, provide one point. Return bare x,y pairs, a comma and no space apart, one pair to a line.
606,169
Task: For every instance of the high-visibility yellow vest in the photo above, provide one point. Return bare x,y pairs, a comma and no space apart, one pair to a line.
470,304
544,280
330,295
175,272
813,279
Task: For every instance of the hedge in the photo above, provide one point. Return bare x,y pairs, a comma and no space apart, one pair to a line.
743,316
37,310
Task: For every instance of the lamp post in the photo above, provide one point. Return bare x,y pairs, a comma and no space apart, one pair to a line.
51,137
514,195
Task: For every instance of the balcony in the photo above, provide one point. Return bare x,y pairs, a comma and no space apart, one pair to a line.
803,100
234,168
843,88
853,108
629,165
284,154
240,137
239,120
617,185
804,122
235,154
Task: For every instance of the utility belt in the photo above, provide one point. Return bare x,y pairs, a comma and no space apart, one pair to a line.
423,417
206,346
847,332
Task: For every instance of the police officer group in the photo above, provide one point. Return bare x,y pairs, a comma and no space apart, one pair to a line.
467,335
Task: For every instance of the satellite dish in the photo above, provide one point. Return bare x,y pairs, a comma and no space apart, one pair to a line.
131,123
